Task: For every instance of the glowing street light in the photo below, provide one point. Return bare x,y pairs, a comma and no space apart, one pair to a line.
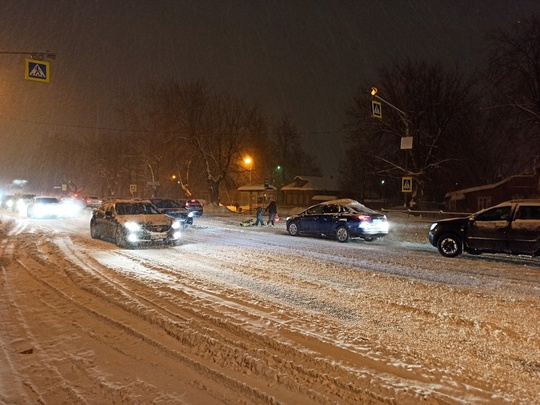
248,161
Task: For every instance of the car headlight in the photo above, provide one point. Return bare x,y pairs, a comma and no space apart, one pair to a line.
175,225
433,225
132,226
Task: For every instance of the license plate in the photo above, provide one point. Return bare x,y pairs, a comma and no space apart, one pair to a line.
158,236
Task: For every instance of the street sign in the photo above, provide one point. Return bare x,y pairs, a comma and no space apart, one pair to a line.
376,109
37,70
406,142
406,184
133,188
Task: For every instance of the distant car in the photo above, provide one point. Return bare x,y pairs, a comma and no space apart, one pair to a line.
6,201
71,207
44,207
510,227
20,201
174,209
92,201
132,223
192,205
340,219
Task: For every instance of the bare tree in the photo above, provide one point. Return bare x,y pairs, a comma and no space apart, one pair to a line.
288,154
435,106
514,76
185,125
229,125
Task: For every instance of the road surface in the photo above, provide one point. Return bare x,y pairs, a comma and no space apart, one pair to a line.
254,316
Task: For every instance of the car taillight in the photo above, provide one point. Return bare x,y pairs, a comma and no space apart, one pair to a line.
364,218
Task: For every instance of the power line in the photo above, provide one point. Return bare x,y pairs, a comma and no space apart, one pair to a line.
337,131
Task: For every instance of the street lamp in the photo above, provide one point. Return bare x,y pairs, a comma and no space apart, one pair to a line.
33,54
248,161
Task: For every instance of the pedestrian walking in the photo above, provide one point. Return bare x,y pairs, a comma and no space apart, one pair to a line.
272,211
260,217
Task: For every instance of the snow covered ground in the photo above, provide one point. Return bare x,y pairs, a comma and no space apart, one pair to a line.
254,316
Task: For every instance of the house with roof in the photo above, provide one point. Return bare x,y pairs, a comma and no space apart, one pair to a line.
521,186
308,190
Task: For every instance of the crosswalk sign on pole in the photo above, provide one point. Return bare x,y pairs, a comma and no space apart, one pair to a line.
376,109
406,184
37,70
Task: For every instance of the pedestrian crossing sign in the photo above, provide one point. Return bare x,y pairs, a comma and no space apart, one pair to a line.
376,109
406,184
37,70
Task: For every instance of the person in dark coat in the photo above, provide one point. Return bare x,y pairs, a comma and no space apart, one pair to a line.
272,211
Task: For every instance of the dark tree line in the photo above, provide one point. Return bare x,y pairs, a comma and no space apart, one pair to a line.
177,140
467,129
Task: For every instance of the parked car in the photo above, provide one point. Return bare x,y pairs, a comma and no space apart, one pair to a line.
510,227
44,207
340,219
131,223
192,205
174,209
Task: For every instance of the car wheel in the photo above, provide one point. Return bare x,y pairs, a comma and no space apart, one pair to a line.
93,231
369,239
449,245
293,229
120,238
342,234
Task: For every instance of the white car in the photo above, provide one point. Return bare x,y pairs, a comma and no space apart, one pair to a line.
44,207
133,223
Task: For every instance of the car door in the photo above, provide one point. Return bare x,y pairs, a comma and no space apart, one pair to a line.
488,229
310,220
524,232
328,222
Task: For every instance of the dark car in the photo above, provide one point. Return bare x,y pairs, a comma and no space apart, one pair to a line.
510,227
174,209
340,219
192,205
131,223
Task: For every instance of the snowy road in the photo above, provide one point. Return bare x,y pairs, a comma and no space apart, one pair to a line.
254,316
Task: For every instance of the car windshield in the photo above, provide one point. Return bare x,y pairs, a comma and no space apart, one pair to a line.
135,208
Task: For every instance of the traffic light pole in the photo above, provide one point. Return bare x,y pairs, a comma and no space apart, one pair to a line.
405,120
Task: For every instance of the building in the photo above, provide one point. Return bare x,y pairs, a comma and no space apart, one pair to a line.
256,195
308,190
526,185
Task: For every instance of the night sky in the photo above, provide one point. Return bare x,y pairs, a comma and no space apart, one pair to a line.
304,58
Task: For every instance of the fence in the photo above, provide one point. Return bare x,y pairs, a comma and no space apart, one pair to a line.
427,214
